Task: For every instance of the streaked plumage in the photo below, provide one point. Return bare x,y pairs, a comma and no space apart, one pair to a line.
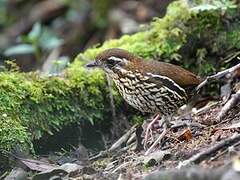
149,86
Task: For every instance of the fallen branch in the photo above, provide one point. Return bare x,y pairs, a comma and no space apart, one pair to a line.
187,124
102,154
225,151
197,158
235,99
231,127
218,76
116,145
123,139
205,109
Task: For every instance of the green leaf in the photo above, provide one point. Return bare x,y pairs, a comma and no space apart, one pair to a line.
35,32
223,5
204,7
19,49
49,40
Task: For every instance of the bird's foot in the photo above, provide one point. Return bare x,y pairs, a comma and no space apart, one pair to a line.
148,131
157,141
165,123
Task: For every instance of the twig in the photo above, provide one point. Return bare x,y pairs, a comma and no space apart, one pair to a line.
131,139
205,108
121,166
197,158
4,175
224,121
235,99
225,151
188,124
123,139
218,76
233,126
115,146
230,57
102,154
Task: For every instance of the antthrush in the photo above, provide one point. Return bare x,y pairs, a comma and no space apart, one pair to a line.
149,86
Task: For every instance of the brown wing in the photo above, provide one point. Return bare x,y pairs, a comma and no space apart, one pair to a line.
182,77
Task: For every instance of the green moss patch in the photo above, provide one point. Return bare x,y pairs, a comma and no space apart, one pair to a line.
32,105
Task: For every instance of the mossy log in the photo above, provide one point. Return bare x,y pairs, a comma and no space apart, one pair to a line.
194,37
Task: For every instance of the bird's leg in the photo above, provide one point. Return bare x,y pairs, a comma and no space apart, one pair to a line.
149,129
166,128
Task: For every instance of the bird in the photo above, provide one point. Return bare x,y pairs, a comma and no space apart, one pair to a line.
149,86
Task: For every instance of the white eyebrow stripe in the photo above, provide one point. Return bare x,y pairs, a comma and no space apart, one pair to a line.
179,90
115,58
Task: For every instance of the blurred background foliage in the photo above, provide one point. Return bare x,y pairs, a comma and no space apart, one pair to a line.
38,33
46,35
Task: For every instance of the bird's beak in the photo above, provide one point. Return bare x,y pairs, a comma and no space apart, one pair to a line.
92,64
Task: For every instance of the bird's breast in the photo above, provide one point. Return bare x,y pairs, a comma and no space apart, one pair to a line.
148,93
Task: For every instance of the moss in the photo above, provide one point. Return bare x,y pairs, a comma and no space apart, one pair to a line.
12,133
37,105
32,105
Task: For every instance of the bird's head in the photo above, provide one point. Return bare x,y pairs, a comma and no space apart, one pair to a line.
112,59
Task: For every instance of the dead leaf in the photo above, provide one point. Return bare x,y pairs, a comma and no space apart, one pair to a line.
63,172
51,174
37,165
186,135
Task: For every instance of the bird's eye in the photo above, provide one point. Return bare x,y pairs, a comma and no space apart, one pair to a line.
113,60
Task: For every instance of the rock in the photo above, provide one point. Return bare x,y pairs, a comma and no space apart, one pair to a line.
17,174
156,157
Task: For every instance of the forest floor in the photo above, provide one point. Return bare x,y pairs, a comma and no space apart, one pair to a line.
198,138
199,144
